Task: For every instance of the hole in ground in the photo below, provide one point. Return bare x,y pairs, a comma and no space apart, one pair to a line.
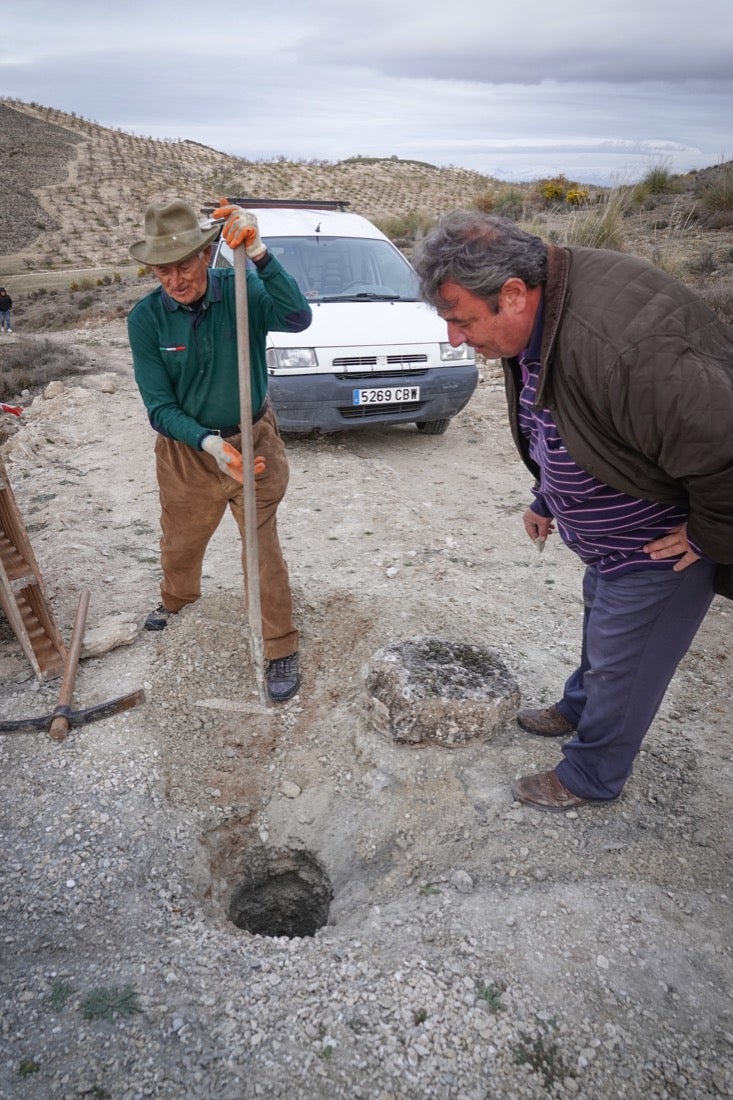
283,892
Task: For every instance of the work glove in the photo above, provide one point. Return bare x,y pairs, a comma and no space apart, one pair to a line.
228,458
240,227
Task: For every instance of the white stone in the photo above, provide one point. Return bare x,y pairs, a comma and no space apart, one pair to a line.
107,635
462,882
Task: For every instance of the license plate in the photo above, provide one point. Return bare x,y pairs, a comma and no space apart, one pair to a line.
388,395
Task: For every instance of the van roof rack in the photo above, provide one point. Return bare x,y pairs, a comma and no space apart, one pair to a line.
303,204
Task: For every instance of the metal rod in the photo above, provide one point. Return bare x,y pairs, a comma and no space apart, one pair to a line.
254,606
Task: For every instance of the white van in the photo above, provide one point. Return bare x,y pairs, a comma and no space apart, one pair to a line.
374,353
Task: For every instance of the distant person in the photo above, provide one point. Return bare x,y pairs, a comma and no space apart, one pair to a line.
184,349
6,304
620,388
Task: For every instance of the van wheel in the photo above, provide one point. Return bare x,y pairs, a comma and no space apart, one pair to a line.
432,427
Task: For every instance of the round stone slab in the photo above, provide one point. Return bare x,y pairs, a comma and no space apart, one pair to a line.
430,691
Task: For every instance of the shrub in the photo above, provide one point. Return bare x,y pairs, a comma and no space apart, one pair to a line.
659,180
107,1003
31,365
669,251
402,229
666,259
719,296
552,190
717,198
510,203
703,264
599,226
577,196
485,202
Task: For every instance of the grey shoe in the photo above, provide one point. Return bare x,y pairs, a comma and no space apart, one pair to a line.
283,678
158,619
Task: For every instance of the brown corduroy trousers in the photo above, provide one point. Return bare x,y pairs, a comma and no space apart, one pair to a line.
194,494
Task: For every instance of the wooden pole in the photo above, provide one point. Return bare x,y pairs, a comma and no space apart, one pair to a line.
60,722
254,606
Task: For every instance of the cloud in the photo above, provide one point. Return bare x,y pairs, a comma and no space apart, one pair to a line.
627,42
491,65
464,84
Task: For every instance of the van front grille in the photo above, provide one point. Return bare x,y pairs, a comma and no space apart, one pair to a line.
408,362
363,412
353,375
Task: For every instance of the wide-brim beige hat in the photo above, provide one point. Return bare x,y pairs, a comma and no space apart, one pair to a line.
172,234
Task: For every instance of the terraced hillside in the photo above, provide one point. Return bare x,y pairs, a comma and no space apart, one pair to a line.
73,192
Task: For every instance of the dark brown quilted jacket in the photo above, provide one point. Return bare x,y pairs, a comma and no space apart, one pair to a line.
638,373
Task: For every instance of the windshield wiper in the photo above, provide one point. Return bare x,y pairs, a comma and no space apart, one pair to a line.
366,296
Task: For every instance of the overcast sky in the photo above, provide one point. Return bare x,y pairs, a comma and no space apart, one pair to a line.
598,91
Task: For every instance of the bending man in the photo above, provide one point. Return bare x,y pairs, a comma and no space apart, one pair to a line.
620,389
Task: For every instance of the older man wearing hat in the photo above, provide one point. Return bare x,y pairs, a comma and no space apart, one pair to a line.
184,349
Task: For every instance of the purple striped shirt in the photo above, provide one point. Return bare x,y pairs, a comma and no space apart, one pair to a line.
602,526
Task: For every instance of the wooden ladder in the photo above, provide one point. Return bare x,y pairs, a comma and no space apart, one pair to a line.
23,595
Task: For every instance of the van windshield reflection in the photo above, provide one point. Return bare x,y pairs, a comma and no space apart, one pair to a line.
333,269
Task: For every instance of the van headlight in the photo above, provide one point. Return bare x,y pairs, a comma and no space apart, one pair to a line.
292,358
463,353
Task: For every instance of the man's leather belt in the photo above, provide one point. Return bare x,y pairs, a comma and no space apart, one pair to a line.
236,430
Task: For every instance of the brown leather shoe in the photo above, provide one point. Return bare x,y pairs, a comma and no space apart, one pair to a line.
545,792
547,722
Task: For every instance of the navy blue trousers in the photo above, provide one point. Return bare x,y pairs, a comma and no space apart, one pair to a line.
637,627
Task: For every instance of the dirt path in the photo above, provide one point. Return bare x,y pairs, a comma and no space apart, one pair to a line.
620,915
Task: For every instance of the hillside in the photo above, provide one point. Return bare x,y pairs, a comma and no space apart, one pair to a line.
73,195
74,192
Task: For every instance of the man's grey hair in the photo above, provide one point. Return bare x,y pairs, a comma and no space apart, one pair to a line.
479,252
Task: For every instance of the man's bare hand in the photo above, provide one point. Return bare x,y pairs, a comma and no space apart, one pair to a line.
538,527
671,546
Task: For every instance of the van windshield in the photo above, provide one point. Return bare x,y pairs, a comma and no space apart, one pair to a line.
346,268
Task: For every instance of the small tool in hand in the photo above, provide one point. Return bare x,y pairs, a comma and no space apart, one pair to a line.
540,543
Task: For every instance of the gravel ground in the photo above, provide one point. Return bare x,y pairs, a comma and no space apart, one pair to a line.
474,949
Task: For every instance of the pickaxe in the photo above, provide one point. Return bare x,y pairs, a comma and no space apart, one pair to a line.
62,717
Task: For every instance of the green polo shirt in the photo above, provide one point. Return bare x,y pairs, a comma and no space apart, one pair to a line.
185,360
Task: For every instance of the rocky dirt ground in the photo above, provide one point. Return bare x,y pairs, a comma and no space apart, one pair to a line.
473,948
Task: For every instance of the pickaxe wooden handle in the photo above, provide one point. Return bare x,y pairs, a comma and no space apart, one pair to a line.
249,500
63,717
60,720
